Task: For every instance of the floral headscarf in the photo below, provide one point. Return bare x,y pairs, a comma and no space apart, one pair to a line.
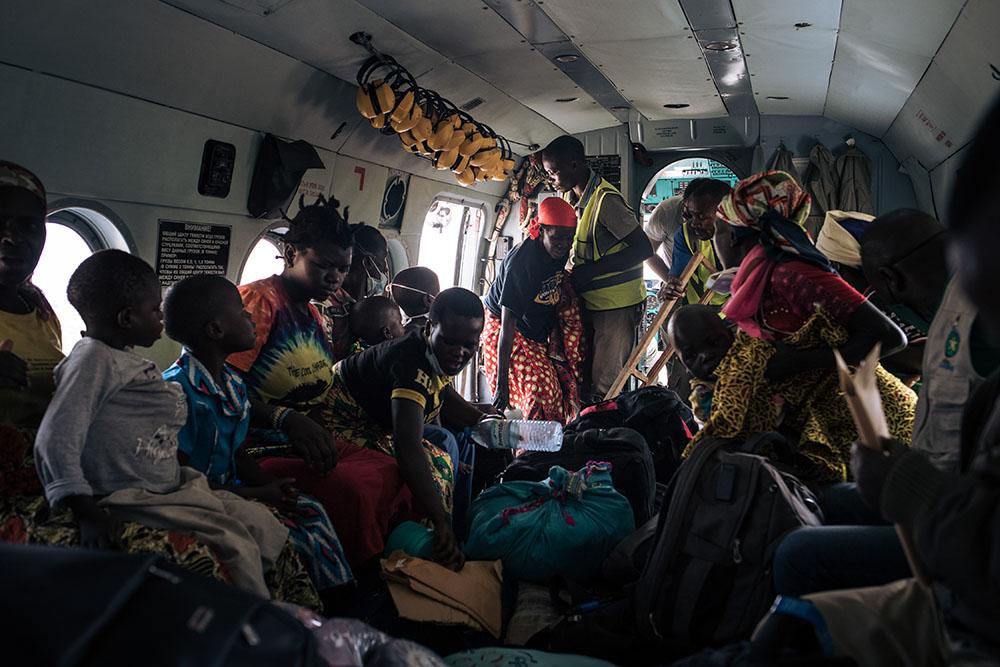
772,206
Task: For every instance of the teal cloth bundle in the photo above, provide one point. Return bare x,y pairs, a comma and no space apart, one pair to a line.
565,525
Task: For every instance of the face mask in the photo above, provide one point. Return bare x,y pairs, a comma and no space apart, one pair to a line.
374,285
408,319
909,316
432,359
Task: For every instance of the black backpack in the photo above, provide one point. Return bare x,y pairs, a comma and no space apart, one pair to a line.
706,576
708,579
80,607
626,450
657,413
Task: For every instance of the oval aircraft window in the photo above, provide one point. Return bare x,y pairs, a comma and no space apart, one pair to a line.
71,236
263,261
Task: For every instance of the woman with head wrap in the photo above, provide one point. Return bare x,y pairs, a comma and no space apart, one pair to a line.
533,336
792,310
784,279
840,240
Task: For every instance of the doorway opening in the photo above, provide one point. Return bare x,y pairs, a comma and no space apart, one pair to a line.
449,241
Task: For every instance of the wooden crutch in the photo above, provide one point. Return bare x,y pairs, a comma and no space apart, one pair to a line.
631,366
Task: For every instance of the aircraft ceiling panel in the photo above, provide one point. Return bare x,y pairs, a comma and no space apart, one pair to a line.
485,44
883,50
895,24
619,21
786,61
871,82
790,69
317,32
454,29
784,14
535,83
655,72
970,58
645,49
167,56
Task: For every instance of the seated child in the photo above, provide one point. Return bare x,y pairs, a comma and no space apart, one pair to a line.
415,289
107,446
205,314
734,398
375,320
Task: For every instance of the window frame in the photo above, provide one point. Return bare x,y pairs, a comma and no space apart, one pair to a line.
99,226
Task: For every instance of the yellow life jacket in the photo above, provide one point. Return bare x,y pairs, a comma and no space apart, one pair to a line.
696,286
609,291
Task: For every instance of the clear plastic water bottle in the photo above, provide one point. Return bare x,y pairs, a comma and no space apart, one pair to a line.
532,435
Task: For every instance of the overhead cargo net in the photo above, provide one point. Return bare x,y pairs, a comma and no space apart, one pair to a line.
427,124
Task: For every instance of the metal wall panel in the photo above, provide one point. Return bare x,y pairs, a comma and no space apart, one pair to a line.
646,50
786,61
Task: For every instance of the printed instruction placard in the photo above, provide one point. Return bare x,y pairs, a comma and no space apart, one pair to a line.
187,249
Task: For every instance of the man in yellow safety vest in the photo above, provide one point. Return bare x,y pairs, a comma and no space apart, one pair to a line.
608,252
701,231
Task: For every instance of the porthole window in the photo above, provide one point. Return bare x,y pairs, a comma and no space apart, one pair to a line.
264,259
72,235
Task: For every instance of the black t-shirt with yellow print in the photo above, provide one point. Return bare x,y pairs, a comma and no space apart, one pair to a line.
400,368
529,283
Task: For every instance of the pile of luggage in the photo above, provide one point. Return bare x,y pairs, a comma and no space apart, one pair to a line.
610,547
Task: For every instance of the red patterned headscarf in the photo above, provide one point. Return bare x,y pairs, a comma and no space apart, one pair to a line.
767,191
775,208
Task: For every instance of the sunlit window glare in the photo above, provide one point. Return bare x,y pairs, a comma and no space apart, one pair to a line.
262,262
442,245
63,252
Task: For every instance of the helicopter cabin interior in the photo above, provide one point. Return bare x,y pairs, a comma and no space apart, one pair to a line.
187,132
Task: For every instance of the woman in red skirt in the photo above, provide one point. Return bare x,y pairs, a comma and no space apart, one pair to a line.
533,338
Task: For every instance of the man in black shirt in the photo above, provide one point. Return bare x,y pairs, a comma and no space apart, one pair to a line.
392,397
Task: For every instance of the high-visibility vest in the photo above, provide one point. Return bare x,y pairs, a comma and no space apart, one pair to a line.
608,291
696,286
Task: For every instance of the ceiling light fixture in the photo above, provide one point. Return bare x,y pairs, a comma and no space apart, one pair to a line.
566,99
719,46
676,105
567,58
777,97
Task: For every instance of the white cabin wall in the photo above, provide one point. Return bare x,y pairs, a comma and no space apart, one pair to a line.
141,160
942,113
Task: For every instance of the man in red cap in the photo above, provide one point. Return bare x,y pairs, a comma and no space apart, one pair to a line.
532,340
